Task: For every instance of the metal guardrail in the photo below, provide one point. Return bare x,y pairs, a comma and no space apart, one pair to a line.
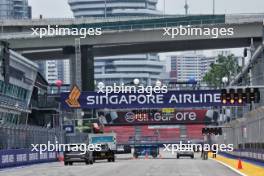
117,18
146,26
92,19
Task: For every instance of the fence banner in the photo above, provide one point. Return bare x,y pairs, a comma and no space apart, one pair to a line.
19,157
156,117
170,99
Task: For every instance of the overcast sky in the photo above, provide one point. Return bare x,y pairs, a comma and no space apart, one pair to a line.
60,8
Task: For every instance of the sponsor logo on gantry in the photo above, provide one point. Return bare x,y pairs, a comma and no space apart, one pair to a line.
130,117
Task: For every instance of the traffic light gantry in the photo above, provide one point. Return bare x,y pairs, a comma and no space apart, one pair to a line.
240,96
212,130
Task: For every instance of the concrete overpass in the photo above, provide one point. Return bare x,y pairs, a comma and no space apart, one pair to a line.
137,41
131,35
131,39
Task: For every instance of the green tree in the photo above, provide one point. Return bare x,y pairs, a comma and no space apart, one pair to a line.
225,66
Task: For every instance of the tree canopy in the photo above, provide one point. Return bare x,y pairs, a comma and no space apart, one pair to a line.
225,66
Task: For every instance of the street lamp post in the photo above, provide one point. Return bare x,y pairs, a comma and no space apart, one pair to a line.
136,81
105,9
224,81
213,7
59,83
158,83
2,27
164,8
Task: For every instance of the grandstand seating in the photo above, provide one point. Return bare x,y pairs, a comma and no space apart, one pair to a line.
194,131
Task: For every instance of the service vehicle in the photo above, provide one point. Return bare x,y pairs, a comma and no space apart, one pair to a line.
108,146
77,153
146,150
185,151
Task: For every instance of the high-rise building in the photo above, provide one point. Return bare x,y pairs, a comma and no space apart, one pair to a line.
190,66
16,86
63,68
124,69
51,74
108,8
121,69
55,70
15,9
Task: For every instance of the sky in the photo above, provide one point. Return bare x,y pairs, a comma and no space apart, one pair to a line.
61,9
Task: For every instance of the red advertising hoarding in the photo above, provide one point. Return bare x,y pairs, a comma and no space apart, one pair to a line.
156,117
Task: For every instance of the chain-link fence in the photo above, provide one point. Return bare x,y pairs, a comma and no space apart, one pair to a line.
245,133
22,136
78,137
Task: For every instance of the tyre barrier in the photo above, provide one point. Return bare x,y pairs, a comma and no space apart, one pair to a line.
20,157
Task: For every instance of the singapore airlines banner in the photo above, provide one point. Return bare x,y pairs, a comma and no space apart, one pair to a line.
156,117
169,99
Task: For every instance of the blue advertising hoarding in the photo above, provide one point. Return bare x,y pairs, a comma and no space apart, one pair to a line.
171,99
19,157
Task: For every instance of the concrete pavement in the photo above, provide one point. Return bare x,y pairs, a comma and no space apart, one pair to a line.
168,165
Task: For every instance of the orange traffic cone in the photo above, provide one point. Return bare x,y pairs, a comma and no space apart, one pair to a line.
61,158
239,165
146,156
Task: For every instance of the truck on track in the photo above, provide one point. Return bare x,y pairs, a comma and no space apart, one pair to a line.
146,150
145,146
108,146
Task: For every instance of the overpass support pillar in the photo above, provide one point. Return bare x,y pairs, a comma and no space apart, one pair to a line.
87,74
82,73
82,66
87,68
75,71
74,54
